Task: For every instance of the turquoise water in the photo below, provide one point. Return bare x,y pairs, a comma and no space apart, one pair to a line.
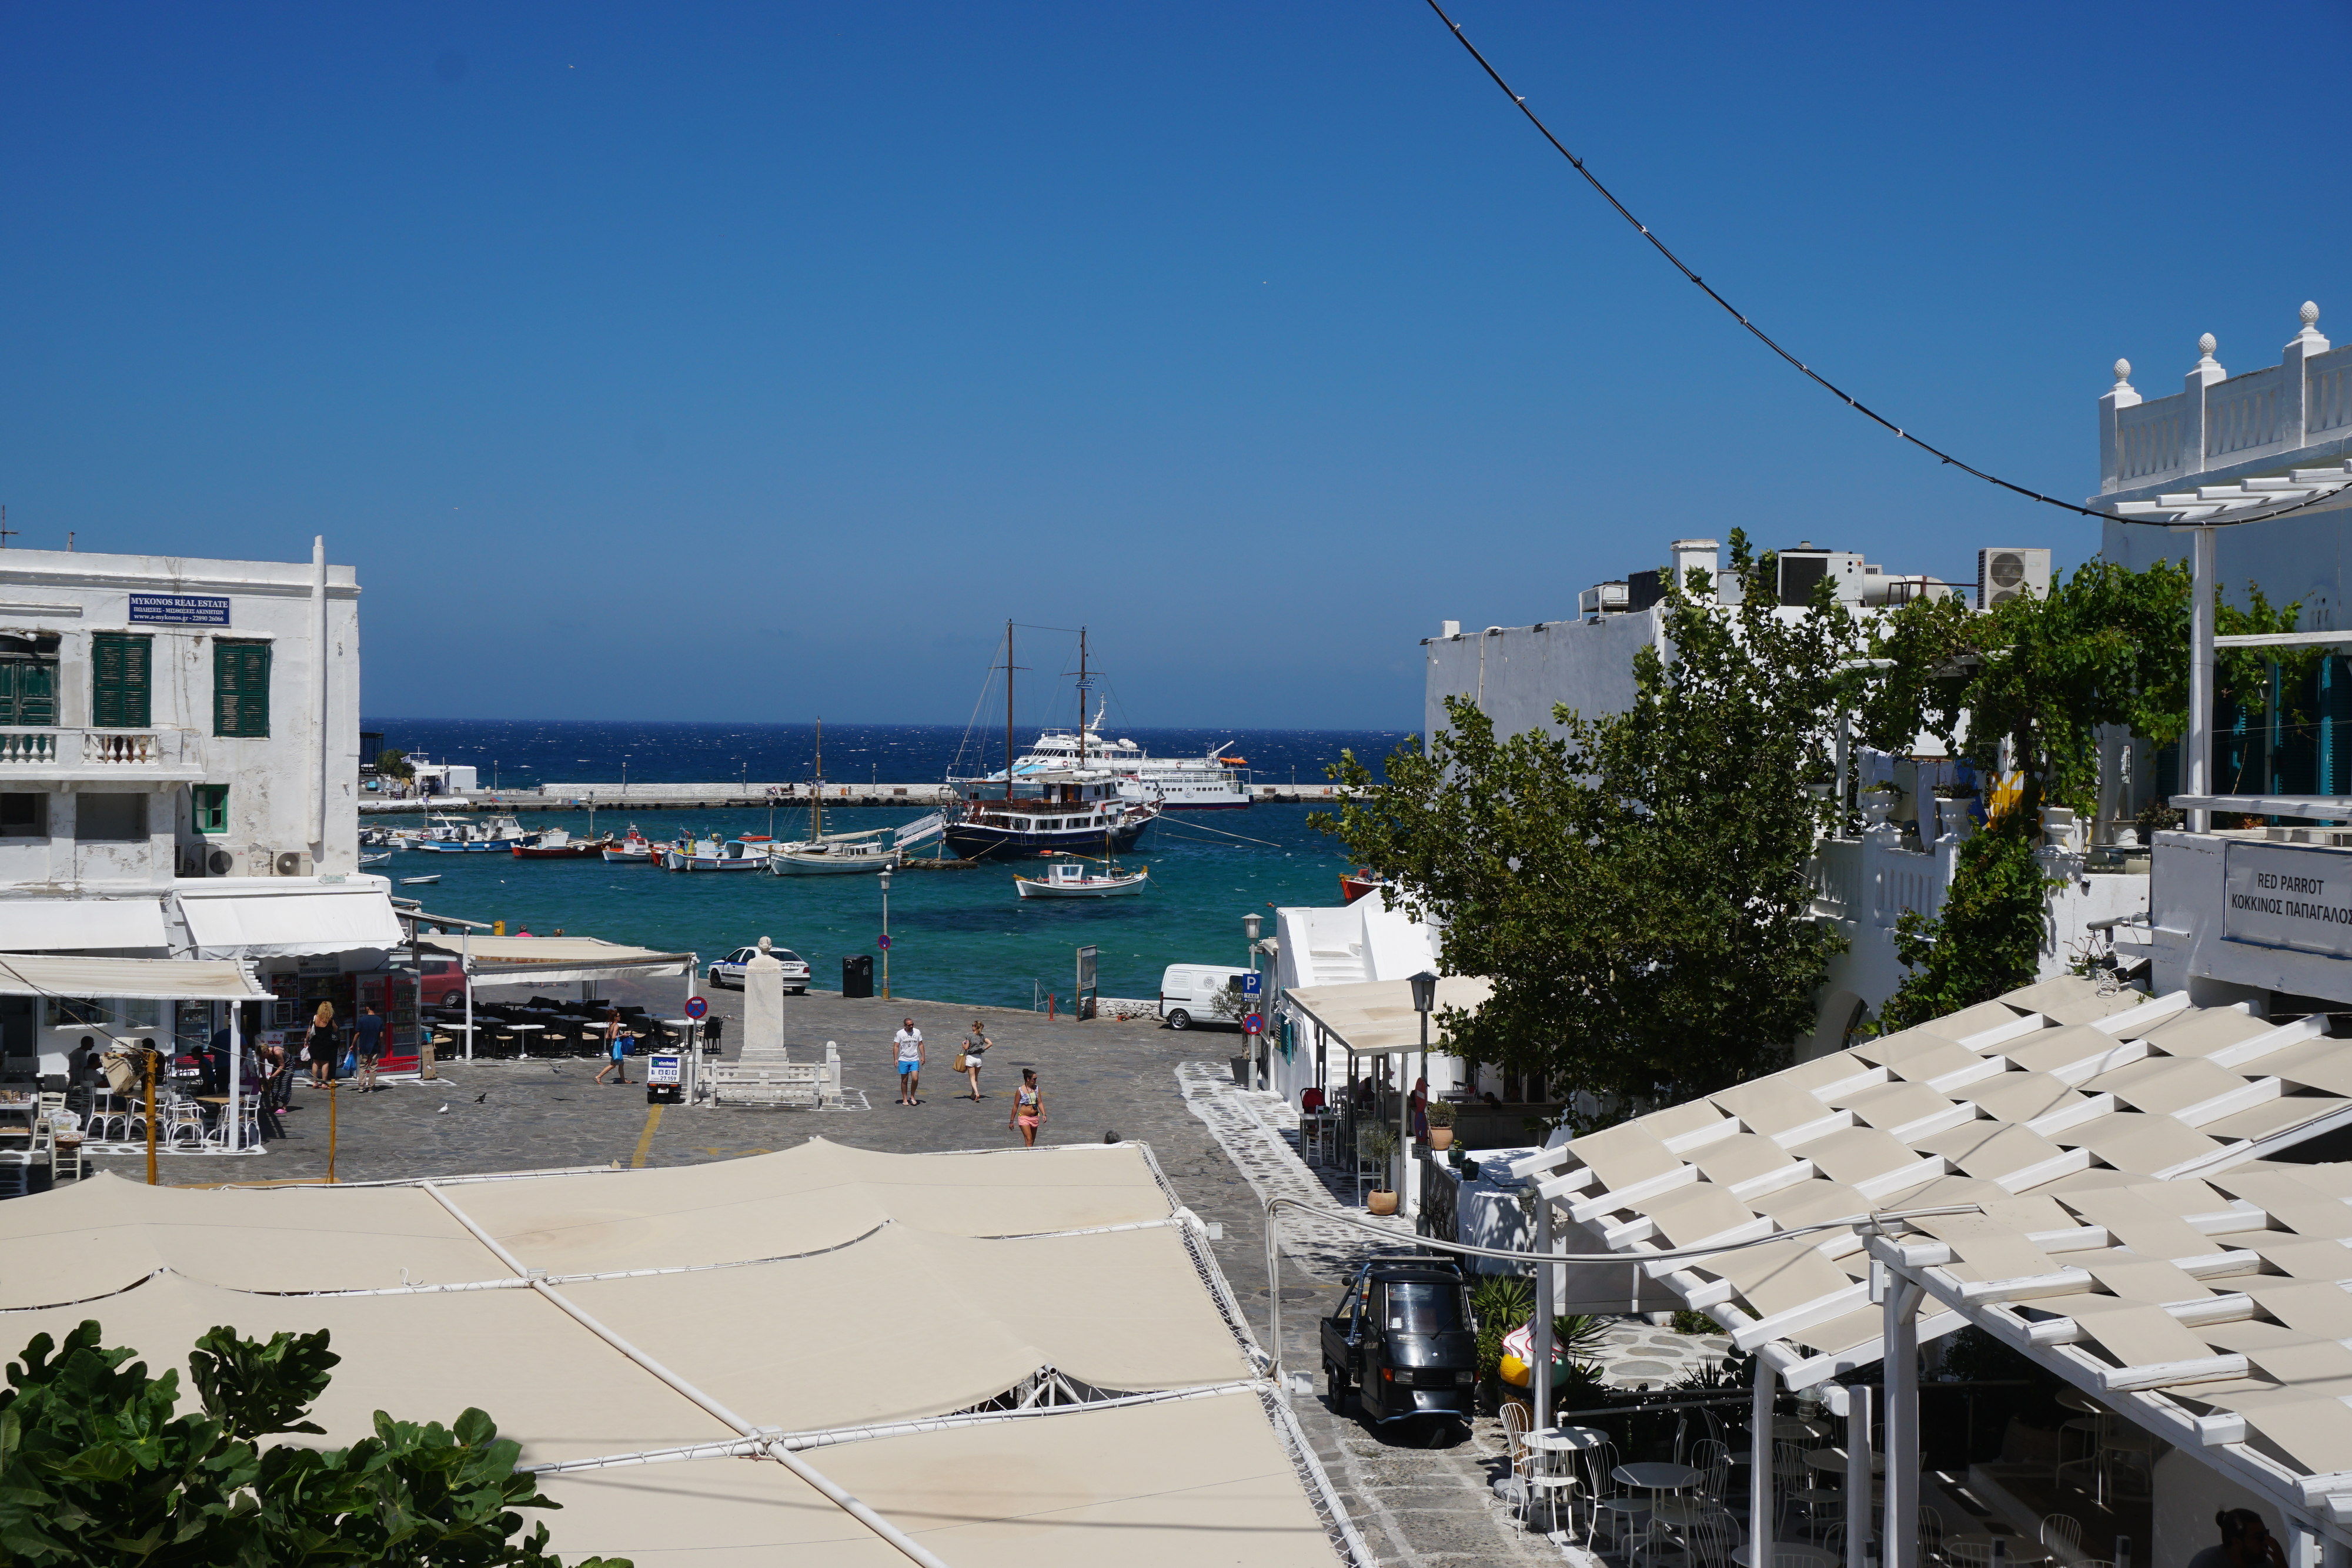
960,936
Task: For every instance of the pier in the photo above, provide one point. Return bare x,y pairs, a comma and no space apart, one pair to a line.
735,793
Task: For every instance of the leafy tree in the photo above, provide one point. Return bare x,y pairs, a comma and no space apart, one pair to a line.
395,764
1989,937
1634,886
2242,679
95,1467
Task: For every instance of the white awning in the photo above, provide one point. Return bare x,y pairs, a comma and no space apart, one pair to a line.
167,979
53,925
556,960
1376,1018
252,920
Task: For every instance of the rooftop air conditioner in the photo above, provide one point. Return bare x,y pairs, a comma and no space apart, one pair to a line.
2005,574
292,863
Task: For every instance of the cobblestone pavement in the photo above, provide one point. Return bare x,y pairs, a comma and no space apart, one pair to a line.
1416,1506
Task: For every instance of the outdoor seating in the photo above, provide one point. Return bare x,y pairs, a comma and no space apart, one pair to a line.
2063,1529
1612,1502
1930,1536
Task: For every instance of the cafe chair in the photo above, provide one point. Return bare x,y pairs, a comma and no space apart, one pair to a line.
2063,1529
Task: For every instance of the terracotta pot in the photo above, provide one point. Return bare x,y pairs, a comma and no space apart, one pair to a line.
1381,1202
1440,1137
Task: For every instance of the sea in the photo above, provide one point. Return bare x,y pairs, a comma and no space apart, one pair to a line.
963,937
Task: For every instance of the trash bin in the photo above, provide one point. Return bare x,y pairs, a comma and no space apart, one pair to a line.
857,975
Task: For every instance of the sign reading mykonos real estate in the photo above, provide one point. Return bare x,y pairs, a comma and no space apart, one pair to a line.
2287,895
180,609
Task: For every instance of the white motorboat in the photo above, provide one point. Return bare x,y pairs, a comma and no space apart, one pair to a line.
1076,879
487,835
711,855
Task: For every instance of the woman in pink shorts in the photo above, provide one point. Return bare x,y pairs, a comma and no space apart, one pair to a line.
1028,1108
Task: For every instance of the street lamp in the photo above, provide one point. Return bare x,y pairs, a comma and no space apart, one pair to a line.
886,934
1424,997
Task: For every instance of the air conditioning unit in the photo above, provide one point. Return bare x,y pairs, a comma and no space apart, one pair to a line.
2006,574
291,863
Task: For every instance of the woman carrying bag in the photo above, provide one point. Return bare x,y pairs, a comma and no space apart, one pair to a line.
976,1047
319,1046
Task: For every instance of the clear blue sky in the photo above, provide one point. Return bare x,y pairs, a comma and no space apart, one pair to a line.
758,360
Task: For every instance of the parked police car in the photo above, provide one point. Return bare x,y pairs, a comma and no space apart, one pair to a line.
729,971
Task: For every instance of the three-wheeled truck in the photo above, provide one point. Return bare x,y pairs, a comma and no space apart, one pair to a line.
1402,1337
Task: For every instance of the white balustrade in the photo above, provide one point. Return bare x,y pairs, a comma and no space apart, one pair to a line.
2220,420
100,750
27,745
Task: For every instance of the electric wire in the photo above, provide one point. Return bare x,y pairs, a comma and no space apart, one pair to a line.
1766,340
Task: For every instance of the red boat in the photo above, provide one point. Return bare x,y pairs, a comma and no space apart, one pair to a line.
558,845
1354,884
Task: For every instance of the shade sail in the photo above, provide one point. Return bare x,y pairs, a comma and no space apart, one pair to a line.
250,921
556,960
188,979
821,1291
1376,1018
54,924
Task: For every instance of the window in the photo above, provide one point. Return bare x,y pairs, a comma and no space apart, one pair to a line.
110,819
99,1012
1416,1307
209,807
119,667
28,682
240,687
23,816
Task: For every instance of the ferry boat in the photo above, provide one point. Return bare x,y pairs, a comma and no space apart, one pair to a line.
1080,813
1211,782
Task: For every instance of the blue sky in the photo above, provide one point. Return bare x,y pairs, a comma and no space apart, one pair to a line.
757,361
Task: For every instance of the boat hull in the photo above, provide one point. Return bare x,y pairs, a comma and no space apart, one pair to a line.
984,841
828,865
1114,888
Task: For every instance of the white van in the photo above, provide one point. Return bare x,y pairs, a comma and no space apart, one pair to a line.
1195,993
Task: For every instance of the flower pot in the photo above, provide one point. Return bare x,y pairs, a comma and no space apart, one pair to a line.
1381,1202
1876,810
1955,819
1440,1137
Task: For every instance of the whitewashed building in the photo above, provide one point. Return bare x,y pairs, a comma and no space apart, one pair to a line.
179,769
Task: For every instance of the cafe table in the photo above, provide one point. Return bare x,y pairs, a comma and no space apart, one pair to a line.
1657,1478
522,1032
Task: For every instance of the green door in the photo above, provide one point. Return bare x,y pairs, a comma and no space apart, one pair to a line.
120,669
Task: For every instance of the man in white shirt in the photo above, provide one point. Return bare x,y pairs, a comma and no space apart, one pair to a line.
909,1042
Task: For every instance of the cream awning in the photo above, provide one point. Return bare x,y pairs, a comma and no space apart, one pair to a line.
56,925
254,920
554,960
1376,1018
163,979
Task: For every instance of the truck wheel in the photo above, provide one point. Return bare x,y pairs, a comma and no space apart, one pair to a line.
1335,1384
1180,1019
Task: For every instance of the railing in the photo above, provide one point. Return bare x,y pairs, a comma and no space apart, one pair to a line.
1873,878
2329,404
120,748
2242,415
2220,420
97,748
28,746
2147,439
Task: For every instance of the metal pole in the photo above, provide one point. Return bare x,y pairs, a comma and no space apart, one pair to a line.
1857,1472
1901,1362
236,1078
1539,1368
2198,747
151,1112
335,1100
466,963
1760,1465
885,936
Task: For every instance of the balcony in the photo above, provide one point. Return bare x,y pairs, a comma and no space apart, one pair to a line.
66,755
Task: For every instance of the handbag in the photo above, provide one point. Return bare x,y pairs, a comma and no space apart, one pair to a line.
962,1061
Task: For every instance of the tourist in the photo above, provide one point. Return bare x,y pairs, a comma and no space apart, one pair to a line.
367,1038
276,1083
2246,1543
911,1057
975,1046
1028,1108
319,1046
1418,1104
617,1047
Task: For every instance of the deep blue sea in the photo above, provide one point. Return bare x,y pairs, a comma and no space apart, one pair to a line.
962,937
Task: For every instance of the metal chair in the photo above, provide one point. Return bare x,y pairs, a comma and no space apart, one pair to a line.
1515,1450
2122,1445
1712,1460
1610,1501
2064,1529
1931,1536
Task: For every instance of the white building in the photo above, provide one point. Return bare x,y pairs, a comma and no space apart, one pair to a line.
178,779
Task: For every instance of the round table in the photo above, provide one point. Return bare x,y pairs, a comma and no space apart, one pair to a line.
1975,1547
1566,1440
1835,1460
523,1046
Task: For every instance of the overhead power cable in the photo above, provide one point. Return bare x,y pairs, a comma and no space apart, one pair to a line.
1758,332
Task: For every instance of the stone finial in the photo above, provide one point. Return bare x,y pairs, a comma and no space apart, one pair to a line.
2310,314
2123,374
2205,346
767,946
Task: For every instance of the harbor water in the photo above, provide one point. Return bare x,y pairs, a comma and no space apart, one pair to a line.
963,935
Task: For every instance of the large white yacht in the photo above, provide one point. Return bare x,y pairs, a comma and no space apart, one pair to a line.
1211,782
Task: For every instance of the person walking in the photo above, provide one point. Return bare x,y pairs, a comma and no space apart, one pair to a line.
367,1039
1028,1108
911,1055
975,1046
319,1046
617,1047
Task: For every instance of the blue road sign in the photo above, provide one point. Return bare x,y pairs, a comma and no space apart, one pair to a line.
885,943
696,1008
1253,1023
1252,982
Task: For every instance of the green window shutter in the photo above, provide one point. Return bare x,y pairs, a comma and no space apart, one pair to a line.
119,669
211,808
240,687
36,695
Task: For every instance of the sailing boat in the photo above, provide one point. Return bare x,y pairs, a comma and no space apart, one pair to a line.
836,854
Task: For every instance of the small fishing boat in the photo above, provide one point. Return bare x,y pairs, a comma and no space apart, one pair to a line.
1354,884
632,848
375,859
419,880
711,855
556,844
490,835
1075,879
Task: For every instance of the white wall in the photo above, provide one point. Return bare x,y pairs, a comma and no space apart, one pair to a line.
1346,945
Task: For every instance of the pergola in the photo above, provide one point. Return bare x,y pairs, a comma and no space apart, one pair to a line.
2067,1167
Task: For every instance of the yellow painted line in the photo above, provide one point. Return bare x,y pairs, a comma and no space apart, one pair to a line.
645,1138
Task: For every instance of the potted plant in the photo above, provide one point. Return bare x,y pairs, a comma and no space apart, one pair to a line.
1878,804
1441,1123
1956,807
1383,1146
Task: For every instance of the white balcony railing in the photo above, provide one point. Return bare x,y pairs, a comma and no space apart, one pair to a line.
2220,420
98,751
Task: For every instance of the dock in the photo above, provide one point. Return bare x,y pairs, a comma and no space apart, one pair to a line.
735,794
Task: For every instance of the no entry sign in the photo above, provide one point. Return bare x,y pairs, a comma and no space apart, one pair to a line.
1253,1023
696,1008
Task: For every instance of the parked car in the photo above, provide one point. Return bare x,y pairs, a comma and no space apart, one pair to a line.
442,981
729,969
1403,1339
1194,993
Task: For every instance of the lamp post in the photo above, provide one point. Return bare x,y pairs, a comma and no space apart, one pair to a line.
886,934
625,779
1261,1072
1424,997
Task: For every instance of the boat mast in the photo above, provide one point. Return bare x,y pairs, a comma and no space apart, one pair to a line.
816,791
1008,710
1082,697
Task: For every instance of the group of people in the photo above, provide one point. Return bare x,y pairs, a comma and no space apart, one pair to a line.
1028,1111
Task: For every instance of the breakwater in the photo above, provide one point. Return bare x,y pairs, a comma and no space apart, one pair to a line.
735,794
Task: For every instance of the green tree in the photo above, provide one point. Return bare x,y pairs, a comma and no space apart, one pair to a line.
395,764
1634,885
97,1466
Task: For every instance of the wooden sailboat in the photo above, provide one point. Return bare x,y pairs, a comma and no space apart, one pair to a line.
837,854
